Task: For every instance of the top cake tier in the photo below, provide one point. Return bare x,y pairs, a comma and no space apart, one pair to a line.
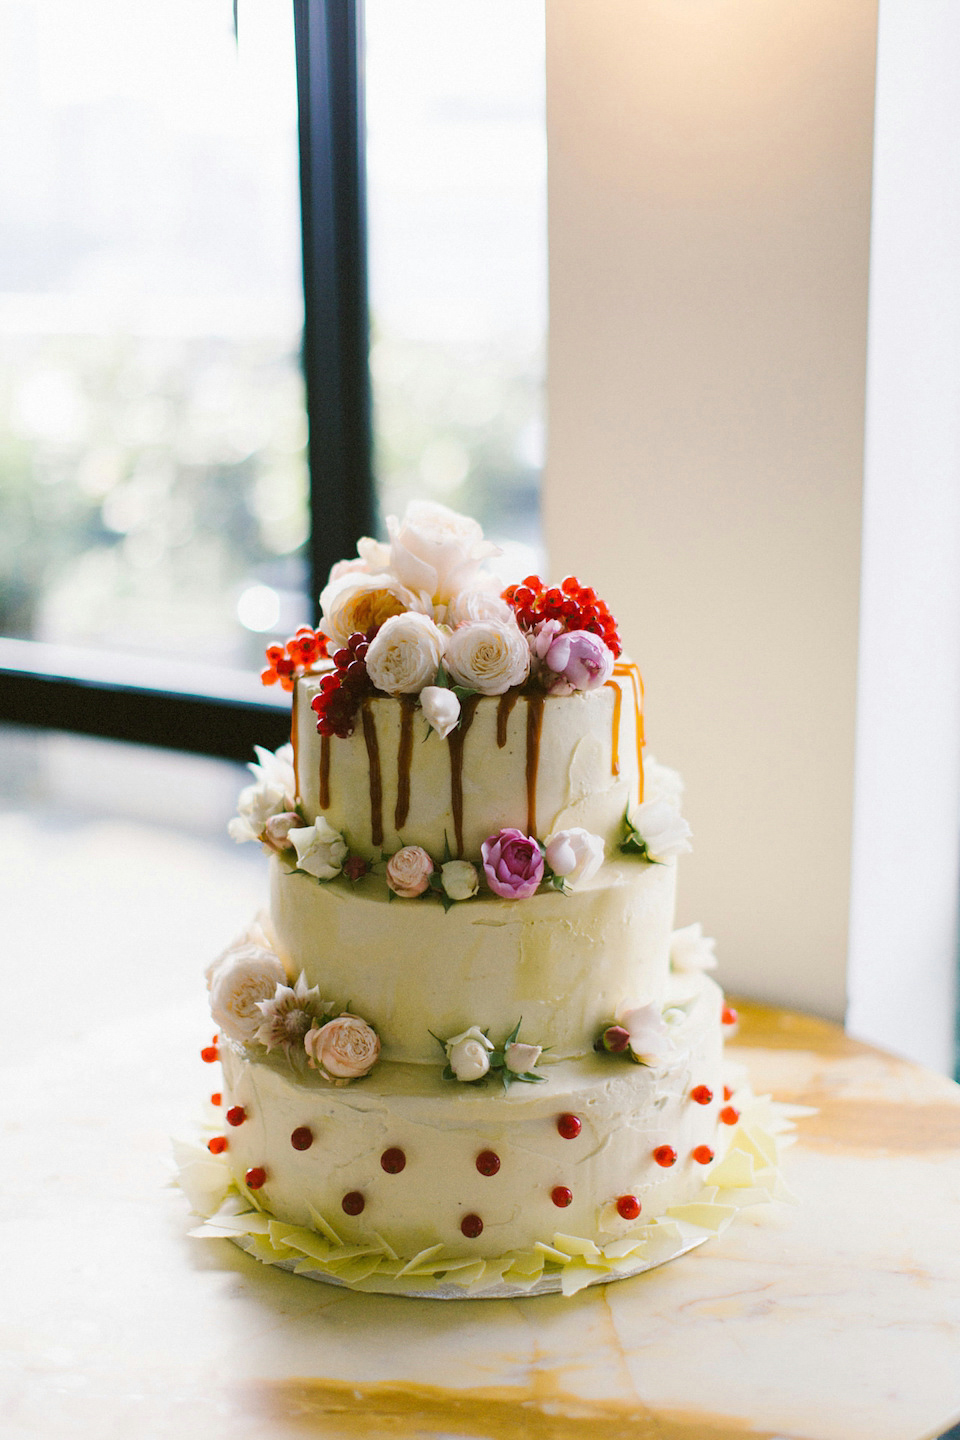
541,763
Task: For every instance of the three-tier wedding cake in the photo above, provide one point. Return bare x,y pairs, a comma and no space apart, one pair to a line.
464,1052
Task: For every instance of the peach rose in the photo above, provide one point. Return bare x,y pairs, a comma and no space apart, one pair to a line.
409,871
345,1048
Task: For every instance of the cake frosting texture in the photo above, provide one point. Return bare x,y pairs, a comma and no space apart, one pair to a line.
463,1042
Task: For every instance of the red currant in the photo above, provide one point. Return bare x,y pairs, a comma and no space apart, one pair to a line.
703,1154
488,1162
209,1053
569,1126
301,1138
471,1226
561,1196
702,1094
729,1115
236,1115
216,1098
628,1207
255,1177
217,1145
352,1203
393,1160
665,1155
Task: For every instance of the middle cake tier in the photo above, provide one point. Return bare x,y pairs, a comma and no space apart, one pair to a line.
563,964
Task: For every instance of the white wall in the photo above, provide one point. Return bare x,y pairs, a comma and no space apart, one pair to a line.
906,862
709,183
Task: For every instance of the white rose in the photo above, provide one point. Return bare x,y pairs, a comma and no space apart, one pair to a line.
436,551
690,949
409,871
345,1048
274,791
321,850
661,783
243,977
650,1041
441,709
662,829
575,854
469,1054
404,654
276,832
490,656
520,1059
355,602
459,879
478,603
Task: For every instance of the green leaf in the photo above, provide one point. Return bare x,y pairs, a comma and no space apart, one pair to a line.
513,1034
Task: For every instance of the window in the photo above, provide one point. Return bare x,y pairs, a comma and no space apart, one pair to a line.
152,463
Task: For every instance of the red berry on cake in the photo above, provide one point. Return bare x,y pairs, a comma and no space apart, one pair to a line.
569,1126
352,1203
393,1160
702,1094
628,1207
471,1226
561,1196
255,1177
217,1144
488,1162
703,1154
301,1138
729,1115
236,1115
665,1155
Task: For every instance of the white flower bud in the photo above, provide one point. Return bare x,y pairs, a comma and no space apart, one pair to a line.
441,709
576,855
459,879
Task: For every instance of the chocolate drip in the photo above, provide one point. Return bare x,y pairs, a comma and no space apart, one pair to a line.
507,702
455,740
324,772
615,737
404,755
534,728
376,782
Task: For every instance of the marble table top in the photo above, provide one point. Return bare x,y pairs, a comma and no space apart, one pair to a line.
836,1319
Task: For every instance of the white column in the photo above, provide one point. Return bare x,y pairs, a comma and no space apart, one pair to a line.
906,832
710,174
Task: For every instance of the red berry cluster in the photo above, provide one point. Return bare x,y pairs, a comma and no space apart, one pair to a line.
341,692
287,662
576,606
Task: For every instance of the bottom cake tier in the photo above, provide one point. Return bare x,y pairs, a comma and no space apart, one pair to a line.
406,1175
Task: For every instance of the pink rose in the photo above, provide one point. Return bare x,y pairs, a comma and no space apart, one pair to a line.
409,871
579,660
345,1048
513,864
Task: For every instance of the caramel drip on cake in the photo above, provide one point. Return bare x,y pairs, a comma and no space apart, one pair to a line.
324,796
293,741
404,756
455,740
376,782
615,737
534,729
636,683
507,703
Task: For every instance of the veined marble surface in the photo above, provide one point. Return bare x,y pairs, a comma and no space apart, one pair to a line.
837,1319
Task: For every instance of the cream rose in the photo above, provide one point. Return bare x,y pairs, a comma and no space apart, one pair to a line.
321,850
345,1048
356,602
243,977
520,1059
490,656
650,1042
576,855
690,949
409,871
405,654
459,879
468,1055
662,828
273,792
477,604
435,551
441,709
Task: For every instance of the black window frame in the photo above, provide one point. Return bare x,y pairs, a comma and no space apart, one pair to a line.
86,692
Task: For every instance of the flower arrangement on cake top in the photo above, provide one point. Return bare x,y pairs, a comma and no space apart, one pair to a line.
418,615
